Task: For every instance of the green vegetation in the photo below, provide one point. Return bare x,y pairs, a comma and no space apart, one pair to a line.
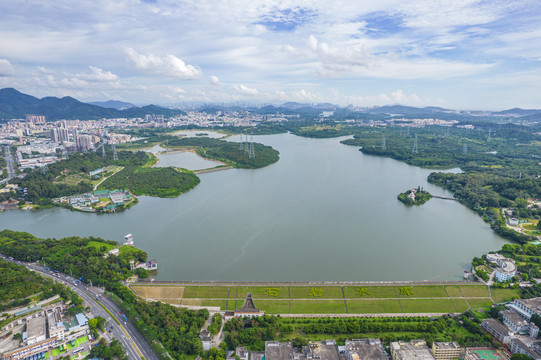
59,179
229,152
108,351
162,182
214,327
70,255
160,324
500,165
253,333
419,196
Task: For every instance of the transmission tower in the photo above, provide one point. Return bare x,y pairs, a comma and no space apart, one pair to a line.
465,149
489,133
251,152
44,169
415,150
241,144
115,155
408,132
383,143
246,144
447,135
103,150
520,175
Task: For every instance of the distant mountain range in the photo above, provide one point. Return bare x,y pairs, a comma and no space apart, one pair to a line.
15,105
113,104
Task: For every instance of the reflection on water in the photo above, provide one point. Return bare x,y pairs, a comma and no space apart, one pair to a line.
323,212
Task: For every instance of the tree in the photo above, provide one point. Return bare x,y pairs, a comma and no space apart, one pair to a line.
520,357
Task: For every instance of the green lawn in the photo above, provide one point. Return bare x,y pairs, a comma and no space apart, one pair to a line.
273,306
460,304
477,303
352,292
474,290
373,307
453,291
203,302
318,307
56,352
262,292
98,245
316,291
129,250
427,306
428,291
213,292
502,295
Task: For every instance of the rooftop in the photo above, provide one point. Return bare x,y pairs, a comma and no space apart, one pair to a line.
275,350
514,317
415,349
496,325
321,350
36,327
366,349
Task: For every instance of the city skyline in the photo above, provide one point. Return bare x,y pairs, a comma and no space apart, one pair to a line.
463,55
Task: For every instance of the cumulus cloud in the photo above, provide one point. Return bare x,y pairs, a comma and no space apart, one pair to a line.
245,90
97,74
214,80
168,65
5,68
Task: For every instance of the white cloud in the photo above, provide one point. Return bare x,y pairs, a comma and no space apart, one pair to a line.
99,75
245,90
168,65
214,80
5,68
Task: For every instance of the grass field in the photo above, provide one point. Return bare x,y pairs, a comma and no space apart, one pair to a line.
98,245
321,299
501,295
373,307
474,290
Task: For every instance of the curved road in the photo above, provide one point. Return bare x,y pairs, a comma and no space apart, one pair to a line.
132,341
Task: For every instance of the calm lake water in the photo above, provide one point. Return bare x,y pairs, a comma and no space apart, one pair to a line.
324,212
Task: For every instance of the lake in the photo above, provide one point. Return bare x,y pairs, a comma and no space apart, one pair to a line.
324,212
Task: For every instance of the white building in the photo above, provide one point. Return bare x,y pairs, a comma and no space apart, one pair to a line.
506,269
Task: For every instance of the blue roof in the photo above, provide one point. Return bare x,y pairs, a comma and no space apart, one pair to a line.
27,310
81,319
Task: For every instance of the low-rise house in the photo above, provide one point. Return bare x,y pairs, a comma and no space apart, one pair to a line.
518,346
446,350
365,349
413,350
496,329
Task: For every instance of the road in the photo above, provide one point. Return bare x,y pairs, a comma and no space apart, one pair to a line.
9,165
132,341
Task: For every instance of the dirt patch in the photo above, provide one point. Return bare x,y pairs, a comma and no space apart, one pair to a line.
160,292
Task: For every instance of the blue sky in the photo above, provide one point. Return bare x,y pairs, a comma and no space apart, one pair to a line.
462,54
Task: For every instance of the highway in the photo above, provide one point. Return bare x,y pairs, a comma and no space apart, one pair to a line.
132,341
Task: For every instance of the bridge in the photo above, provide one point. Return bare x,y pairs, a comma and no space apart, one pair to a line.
444,197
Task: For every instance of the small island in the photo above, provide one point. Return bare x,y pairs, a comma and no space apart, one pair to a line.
415,196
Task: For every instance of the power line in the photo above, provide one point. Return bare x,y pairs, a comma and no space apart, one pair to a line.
383,143
465,149
115,155
415,150
251,153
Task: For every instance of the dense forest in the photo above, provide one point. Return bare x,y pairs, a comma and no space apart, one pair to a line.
20,286
162,182
72,255
229,152
161,324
